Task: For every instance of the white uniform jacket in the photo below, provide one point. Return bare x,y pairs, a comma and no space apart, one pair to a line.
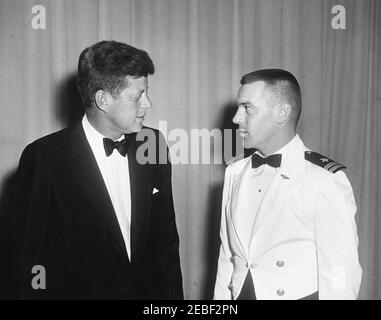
304,238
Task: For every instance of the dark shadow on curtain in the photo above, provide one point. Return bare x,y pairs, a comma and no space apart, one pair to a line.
7,287
69,108
214,208
5,189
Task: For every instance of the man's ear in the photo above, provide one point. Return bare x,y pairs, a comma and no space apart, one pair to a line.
102,100
284,112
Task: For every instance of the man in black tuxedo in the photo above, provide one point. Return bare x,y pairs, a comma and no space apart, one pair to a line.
85,207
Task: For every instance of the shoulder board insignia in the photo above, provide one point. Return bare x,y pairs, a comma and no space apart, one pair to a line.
324,162
235,159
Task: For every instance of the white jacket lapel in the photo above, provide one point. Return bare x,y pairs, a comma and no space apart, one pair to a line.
281,188
233,213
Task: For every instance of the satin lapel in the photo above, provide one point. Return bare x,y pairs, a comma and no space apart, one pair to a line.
86,171
140,182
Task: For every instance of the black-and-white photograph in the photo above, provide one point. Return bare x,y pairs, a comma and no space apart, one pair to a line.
214,150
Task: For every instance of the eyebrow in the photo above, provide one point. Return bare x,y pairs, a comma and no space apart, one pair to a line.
244,103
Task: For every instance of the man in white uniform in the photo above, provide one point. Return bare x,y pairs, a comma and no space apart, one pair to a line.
288,226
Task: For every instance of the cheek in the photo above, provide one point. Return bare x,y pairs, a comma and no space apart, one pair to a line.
254,125
128,112
123,116
259,125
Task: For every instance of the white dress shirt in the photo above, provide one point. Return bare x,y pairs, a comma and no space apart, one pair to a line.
115,173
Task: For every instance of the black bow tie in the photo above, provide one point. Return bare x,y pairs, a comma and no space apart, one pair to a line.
121,146
247,152
273,160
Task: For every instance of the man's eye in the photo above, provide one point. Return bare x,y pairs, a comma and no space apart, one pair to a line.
137,96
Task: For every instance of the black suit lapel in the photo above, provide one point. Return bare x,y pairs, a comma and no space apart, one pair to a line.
140,182
85,169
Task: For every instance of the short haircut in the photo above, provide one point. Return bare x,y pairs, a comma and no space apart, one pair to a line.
105,65
282,84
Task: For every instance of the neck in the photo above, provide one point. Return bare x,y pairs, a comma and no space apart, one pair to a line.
101,126
277,144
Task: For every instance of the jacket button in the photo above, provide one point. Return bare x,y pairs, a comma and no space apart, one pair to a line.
280,263
232,259
280,292
230,287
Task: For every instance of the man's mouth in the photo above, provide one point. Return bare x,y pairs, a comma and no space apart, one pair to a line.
243,132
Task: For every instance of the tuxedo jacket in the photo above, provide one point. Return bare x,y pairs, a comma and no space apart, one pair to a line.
304,238
63,219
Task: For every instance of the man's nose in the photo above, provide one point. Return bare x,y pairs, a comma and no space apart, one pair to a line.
146,103
238,117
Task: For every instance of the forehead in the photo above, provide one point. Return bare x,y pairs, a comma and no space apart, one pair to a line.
251,91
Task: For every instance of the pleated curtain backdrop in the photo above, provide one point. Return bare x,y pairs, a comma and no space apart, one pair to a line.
201,48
